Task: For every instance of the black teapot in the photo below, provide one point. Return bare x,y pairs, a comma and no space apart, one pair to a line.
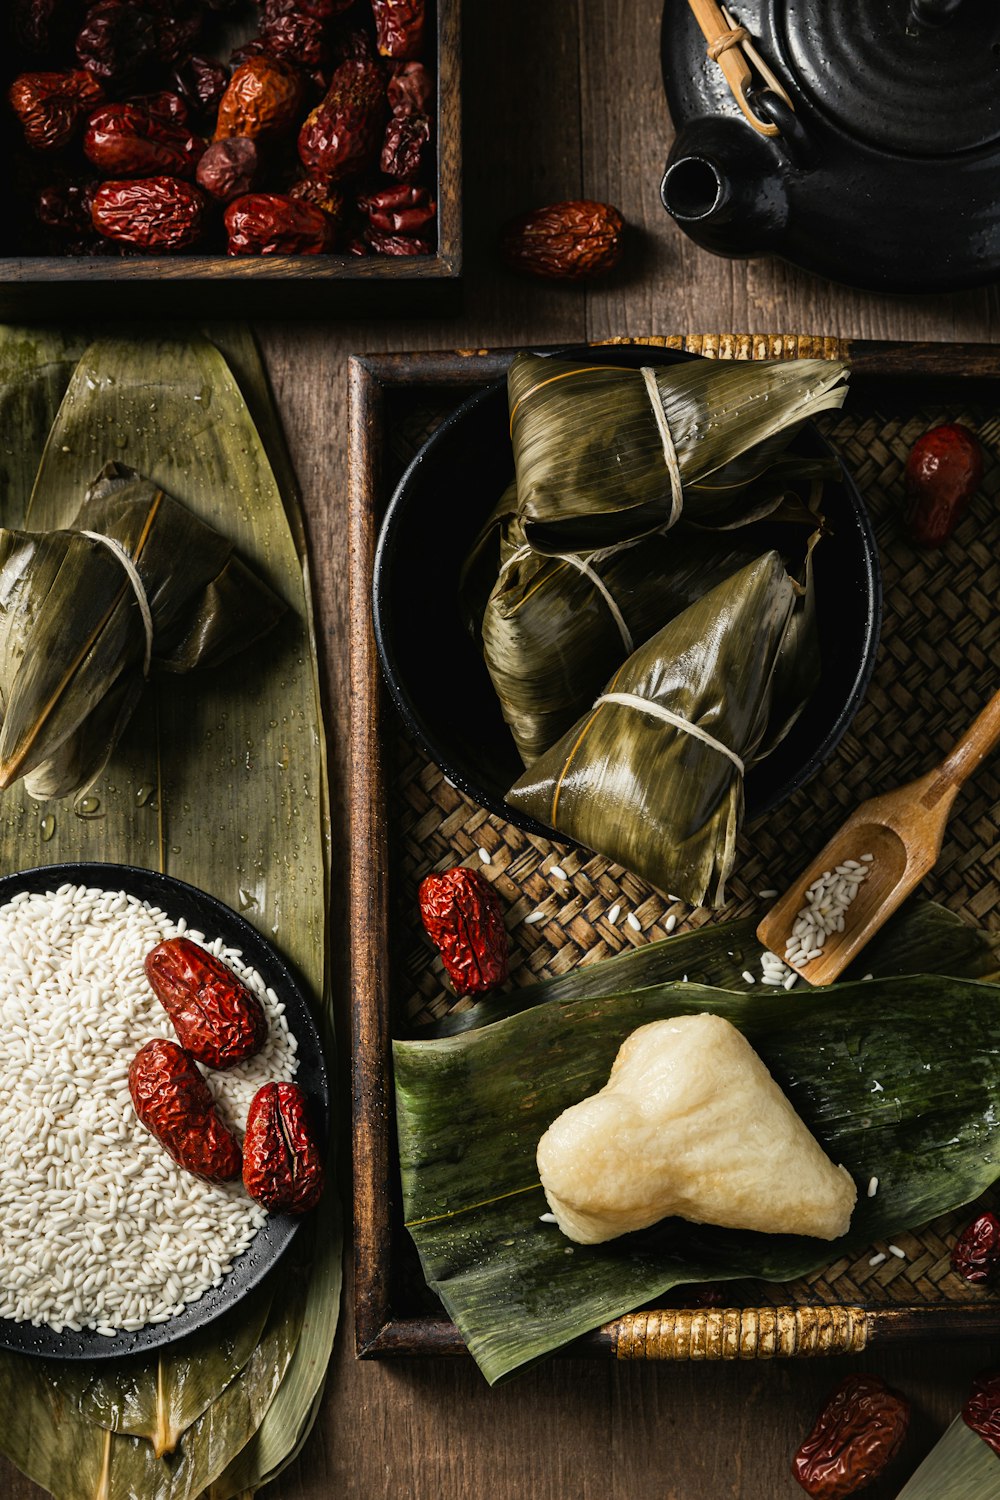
857,138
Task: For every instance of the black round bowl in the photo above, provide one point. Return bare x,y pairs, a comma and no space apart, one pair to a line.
437,676
204,914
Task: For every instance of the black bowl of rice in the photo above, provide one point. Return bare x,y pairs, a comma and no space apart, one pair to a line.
436,674
107,1247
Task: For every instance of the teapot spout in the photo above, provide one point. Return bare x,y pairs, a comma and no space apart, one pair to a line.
729,196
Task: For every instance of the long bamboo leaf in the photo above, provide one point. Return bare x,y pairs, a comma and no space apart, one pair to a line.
922,938
896,1078
78,1460
160,1397
242,805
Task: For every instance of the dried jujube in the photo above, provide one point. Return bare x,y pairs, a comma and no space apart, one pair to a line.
976,1253
399,26
66,206
228,168
982,1410
150,213
395,244
399,210
410,90
274,224
565,241
217,1018
282,1166
175,1104
124,140
943,472
50,106
856,1435
462,915
407,138
261,100
341,136
116,39
201,83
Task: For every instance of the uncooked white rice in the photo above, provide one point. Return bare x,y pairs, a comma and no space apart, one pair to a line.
99,1228
825,911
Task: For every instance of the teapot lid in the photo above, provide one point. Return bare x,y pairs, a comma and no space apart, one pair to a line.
889,78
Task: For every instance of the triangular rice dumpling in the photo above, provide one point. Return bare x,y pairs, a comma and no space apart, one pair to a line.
75,643
690,1124
603,454
652,775
555,627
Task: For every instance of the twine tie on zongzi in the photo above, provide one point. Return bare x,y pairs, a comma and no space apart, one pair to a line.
643,705
140,593
669,451
588,572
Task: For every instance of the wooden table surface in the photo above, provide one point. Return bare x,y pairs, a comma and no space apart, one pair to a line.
563,100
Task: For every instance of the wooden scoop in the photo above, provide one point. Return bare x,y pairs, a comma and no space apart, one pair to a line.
903,831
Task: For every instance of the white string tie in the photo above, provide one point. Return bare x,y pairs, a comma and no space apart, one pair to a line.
643,706
669,451
588,572
140,593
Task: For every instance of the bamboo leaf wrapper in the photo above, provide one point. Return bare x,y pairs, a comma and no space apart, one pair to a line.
472,1108
659,789
602,454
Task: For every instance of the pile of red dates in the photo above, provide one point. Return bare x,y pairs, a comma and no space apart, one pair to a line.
143,131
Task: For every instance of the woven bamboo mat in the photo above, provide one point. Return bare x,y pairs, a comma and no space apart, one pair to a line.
937,665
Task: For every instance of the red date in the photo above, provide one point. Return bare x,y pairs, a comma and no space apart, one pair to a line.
856,1435
943,472
228,168
464,919
407,138
282,1167
565,241
400,210
272,224
201,83
976,1252
399,26
174,1103
410,90
217,1019
116,39
341,135
261,101
123,140
982,1410
150,213
50,106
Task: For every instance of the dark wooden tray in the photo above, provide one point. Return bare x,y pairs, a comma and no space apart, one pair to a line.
50,287
936,666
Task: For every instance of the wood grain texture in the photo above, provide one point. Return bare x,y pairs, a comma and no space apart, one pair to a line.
559,100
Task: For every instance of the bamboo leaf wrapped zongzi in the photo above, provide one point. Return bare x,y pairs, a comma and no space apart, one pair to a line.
603,454
652,775
137,582
556,627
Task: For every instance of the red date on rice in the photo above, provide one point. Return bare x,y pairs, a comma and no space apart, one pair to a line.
282,1168
217,1019
174,1103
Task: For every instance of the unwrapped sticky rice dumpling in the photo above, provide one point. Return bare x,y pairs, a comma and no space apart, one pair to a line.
690,1124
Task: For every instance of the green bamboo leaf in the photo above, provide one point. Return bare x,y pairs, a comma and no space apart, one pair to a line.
238,768
922,938
896,1078
713,668
287,1423
79,1460
160,1397
591,455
